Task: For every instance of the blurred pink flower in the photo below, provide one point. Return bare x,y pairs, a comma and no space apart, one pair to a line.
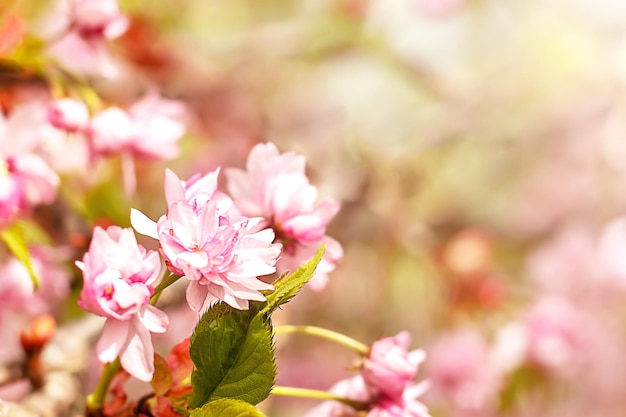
79,29
156,126
110,131
405,405
221,256
118,282
384,386
11,198
68,114
553,335
566,264
581,266
559,335
355,388
462,372
149,129
39,182
19,302
389,367
275,187
352,388
27,178
98,18
610,261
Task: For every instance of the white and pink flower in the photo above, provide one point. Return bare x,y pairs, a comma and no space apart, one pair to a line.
98,18
119,277
150,128
79,30
384,387
221,255
26,177
68,114
463,372
275,186
389,367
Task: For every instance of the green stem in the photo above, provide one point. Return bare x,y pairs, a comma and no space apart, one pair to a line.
166,282
326,334
95,400
318,395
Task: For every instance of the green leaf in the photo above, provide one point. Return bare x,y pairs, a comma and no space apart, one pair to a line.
233,349
14,239
287,286
227,408
234,356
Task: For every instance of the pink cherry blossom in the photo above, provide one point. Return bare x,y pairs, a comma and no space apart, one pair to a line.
405,405
384,386
10,195
78,31
389,367
355,388
38,180
68,114
98,18
19,302
28,179
110,131
220,255
558,334
119,278
157,128
609,262
463,373
149,129
275,187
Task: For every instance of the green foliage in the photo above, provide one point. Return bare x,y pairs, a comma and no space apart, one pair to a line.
233,349
14,239
287,286
227,408
233,354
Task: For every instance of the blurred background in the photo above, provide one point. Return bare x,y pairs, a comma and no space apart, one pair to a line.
477,148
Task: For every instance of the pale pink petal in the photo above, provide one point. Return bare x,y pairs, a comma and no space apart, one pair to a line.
113,339
138,357
110,131
153,319
196,295
39,181
417,356
69,114
143,224
174,191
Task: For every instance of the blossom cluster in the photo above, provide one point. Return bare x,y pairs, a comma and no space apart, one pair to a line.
384,384
205,237
220,243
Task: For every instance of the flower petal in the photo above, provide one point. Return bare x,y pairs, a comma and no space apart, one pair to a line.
154,319
143,224
138,356
113,339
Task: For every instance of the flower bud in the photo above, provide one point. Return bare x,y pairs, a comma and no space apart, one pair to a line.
68,114
389,368
38,334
